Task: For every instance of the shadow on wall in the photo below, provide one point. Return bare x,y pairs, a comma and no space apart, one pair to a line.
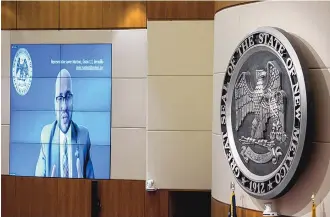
313,178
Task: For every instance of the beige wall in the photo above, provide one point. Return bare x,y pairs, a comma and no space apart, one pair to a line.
179,107
129,86
308,22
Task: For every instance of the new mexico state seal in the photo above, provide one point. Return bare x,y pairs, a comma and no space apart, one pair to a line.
264,113
22,71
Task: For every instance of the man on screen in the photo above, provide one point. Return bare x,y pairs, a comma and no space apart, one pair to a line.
65,146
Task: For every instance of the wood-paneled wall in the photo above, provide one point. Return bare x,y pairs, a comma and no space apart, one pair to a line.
38,197
180,10
157,204
121,198
219,209
56,197
73,14
53,197
103,14
220,5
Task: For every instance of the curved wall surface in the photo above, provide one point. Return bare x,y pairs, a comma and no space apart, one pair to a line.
308,23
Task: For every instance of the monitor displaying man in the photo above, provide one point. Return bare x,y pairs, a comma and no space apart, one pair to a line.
65,146
60,110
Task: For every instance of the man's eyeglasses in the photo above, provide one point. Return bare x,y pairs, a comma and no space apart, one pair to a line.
67,98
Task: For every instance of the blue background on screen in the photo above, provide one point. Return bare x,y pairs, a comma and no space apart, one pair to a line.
91,87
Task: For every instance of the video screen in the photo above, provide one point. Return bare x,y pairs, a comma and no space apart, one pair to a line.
60,110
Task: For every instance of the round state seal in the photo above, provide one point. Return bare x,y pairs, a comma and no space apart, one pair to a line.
264,113
22,71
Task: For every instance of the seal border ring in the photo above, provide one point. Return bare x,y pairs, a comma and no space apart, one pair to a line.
281,187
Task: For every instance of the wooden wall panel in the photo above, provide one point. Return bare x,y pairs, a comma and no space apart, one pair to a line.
127,14
58,197
157,204
37,14
180,10
74,197
104,14
8,14
220,5
121,198
42,191
219,209
35,197
24,196
8,199
40,197
81,14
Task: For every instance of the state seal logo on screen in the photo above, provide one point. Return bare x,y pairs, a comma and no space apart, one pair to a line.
22,71
264,113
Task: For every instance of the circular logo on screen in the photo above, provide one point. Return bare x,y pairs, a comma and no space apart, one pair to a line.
264,113
22,71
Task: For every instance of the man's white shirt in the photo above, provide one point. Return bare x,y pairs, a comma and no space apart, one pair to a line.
69,150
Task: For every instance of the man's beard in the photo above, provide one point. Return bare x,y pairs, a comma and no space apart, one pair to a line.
64,121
